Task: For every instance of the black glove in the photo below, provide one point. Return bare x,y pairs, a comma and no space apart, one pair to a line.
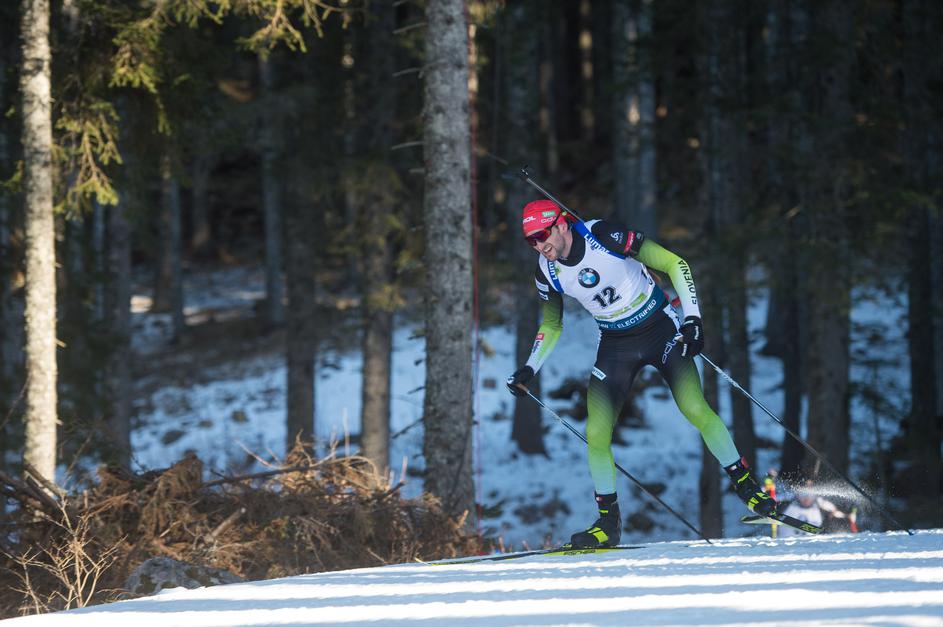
521,377
692,336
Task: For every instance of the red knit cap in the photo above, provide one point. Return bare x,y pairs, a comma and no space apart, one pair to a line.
538,215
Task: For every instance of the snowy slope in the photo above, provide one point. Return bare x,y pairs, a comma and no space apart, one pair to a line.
862,579
532,500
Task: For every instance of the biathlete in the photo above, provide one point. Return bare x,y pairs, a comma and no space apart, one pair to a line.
605,267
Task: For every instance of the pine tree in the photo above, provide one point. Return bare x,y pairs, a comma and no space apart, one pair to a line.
168,292
447,406
725,145
377,213
633,161
920,148
786,28
270,146
826,208
41,365
519,124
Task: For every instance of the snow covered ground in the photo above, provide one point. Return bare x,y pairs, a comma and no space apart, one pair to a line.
861,579
532,500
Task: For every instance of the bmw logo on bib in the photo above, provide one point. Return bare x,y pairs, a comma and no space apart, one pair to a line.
588,277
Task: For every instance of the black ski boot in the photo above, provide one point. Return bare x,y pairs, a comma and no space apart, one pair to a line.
748,490
606,531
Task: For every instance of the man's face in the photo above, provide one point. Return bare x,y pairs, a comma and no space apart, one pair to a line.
557,244
806,499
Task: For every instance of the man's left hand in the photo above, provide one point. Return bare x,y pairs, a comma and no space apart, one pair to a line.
692,336
520,378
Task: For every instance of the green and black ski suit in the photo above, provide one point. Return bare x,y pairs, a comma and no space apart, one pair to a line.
607,272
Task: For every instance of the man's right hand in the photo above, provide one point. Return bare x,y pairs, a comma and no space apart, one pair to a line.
692,336
521,377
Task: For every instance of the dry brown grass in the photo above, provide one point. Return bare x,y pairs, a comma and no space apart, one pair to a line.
309,515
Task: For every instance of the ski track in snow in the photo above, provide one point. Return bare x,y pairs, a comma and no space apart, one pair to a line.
863,579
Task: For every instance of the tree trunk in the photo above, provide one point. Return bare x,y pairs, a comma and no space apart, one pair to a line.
827,286
740,370
587,84
626,117
917,141
447,406
602,32
41,369
310,201
646,213
710,492
99,260
377,359
523,103
118,312
117,284
552,89
168,292
527,429
827,360
300,338
709,483
376,215
725,148
784,337
201,238
923,433
634,175
792,451
937,306
271,202
77,382
172,201
559,39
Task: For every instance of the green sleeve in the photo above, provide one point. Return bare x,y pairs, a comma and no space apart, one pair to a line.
677,269
551,326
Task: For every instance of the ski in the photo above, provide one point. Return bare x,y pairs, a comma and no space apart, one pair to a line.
556,551
781,519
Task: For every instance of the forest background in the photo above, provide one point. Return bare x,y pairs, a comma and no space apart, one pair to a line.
355,152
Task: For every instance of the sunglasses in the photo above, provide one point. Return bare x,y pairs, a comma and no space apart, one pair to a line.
541,236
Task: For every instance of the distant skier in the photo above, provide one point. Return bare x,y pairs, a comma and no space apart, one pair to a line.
769,486
605,267
810,508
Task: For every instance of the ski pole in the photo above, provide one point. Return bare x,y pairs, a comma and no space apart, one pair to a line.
625,472
807,446
524,175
